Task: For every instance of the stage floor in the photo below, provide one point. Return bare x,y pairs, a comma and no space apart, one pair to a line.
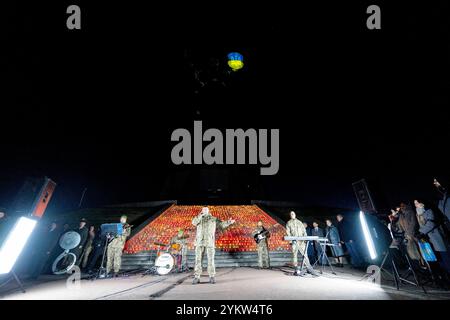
232,283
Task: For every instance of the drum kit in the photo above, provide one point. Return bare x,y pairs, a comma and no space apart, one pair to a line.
168,258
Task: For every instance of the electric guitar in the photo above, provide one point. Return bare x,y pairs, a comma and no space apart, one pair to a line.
263,234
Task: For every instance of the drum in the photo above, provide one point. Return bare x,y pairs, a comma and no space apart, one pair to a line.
164,263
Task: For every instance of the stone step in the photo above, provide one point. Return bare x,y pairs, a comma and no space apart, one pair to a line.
222,259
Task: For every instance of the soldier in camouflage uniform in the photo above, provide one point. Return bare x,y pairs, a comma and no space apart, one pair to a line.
295,228
115,248
262,245
181,240
205,240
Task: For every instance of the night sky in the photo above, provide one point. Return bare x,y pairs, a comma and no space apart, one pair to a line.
95,108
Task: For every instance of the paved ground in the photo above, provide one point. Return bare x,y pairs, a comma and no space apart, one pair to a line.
232,283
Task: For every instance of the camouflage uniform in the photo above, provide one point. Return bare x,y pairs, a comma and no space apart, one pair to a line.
115,248
295,228
183,251
263,249
205,240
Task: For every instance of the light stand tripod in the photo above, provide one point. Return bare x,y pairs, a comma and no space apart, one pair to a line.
101,273
102,270
395,274
13,276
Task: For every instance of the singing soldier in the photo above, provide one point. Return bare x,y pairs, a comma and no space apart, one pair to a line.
205,241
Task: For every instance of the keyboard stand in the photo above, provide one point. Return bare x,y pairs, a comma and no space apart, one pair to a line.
320,260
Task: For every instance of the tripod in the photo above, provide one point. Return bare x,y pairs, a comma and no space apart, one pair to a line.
102,270
101,273
395,274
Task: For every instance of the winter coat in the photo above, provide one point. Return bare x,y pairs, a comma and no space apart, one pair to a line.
431,230
335,239
444,204
407,223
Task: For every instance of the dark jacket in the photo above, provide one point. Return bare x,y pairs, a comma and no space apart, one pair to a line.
310,247
444,204
84,233
318,233
346,230
49,240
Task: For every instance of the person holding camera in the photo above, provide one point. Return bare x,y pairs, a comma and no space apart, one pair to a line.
444,202
407,223
98,247
83,232
430,231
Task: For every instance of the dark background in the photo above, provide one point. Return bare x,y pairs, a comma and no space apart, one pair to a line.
96,107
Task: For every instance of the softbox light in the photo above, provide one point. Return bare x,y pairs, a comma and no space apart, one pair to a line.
15,242
367,236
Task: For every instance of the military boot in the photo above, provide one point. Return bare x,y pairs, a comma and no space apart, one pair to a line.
212,280
196,281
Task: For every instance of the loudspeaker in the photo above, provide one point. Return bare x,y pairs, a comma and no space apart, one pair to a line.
33,198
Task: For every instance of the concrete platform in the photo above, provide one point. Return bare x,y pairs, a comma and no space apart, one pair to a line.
232,283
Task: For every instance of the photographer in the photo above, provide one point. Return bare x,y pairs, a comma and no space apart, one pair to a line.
429,230
407,223
98,246
83,232
444,207
444,202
